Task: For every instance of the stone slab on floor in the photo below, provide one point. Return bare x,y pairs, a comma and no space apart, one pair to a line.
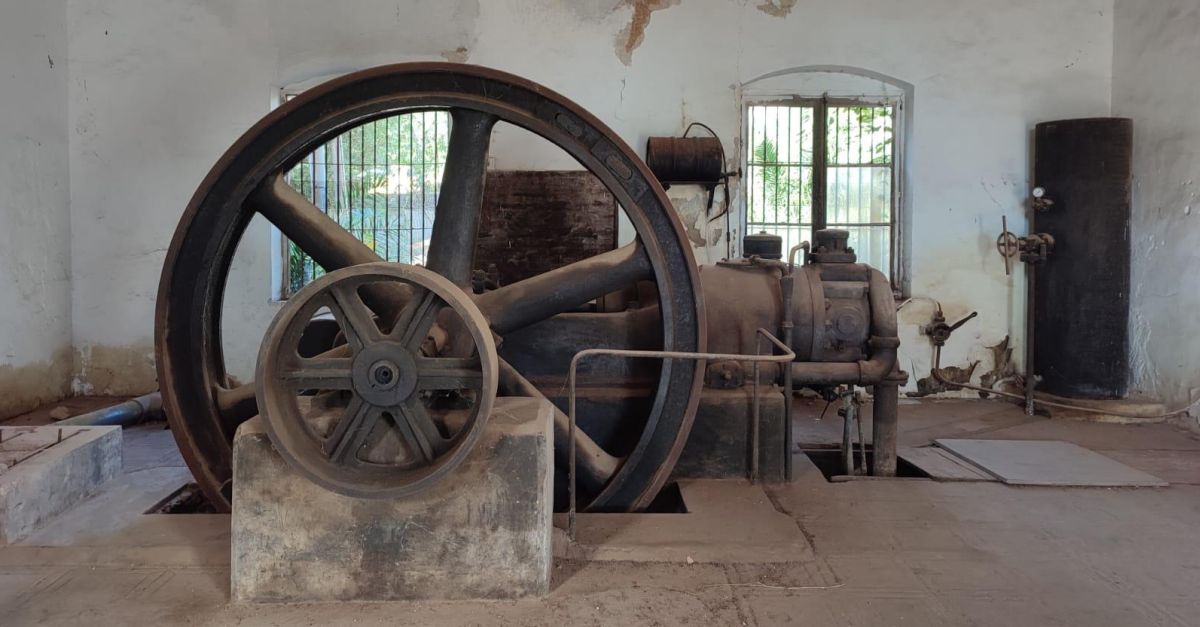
48,470
482,532
1047,463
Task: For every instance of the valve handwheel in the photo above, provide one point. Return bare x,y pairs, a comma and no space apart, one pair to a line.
1007,244
405,417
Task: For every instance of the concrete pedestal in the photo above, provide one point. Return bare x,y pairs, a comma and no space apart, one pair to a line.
483,532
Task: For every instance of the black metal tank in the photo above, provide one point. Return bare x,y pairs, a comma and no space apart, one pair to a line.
1081,293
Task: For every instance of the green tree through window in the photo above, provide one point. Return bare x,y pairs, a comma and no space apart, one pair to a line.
379,181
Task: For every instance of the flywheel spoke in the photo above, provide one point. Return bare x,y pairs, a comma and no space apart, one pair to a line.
236,405
322,239
329,245
596,466
523,303
460,199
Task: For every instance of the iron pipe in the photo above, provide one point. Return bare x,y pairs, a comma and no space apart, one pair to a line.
130,412
884,428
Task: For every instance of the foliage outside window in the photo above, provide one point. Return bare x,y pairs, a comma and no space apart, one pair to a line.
379,181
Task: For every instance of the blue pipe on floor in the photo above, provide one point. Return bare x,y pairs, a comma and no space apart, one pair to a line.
130,412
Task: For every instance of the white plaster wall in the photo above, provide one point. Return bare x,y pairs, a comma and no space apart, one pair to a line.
158,90
1156,71
35,322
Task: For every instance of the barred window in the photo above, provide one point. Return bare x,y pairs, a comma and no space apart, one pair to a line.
379,181
814,164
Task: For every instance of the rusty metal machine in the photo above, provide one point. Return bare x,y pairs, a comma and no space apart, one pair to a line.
396,396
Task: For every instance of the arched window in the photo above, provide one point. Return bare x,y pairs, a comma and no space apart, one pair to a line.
823,148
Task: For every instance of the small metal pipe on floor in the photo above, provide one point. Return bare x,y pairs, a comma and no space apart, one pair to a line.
130,412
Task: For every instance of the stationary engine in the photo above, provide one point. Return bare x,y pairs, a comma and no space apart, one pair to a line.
395,397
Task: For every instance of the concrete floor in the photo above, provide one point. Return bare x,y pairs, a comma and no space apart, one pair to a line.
899,552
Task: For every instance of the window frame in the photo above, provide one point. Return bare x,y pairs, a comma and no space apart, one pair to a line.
819,106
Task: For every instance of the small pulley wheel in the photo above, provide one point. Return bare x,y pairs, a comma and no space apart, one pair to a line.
400,404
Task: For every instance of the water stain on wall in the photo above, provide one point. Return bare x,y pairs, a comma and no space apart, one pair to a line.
23,388
115,370
632,35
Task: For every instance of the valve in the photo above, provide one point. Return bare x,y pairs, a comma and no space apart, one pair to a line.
938,330
1035,248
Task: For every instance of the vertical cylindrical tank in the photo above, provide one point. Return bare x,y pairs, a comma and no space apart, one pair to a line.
1081,293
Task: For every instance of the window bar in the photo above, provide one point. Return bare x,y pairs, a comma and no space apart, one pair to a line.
362,185
425,185
437,170
820,163
371,182
858,215
412,187
387,197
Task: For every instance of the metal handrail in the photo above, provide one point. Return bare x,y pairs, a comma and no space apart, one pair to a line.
756,359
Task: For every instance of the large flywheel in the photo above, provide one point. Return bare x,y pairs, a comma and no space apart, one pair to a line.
205,406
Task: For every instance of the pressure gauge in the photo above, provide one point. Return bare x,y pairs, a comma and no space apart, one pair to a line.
1038,192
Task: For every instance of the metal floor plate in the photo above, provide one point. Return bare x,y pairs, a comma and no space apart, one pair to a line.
942,465
1047,463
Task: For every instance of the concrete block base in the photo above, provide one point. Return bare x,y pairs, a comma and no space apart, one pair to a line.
44,471
483,532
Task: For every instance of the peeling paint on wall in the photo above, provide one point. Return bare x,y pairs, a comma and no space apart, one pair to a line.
634,33
1003,368
777,8
954,374
459,55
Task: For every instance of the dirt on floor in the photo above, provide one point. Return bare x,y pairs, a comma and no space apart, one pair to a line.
61,410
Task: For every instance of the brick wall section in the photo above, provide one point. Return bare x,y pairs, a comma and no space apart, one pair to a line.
535,221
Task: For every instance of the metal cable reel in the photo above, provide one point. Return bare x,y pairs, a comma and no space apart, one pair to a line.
395,408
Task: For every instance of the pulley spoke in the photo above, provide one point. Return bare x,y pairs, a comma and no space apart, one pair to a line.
523,303
418,429
353,316
413,324
449,373
318,373
351,430
460,199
